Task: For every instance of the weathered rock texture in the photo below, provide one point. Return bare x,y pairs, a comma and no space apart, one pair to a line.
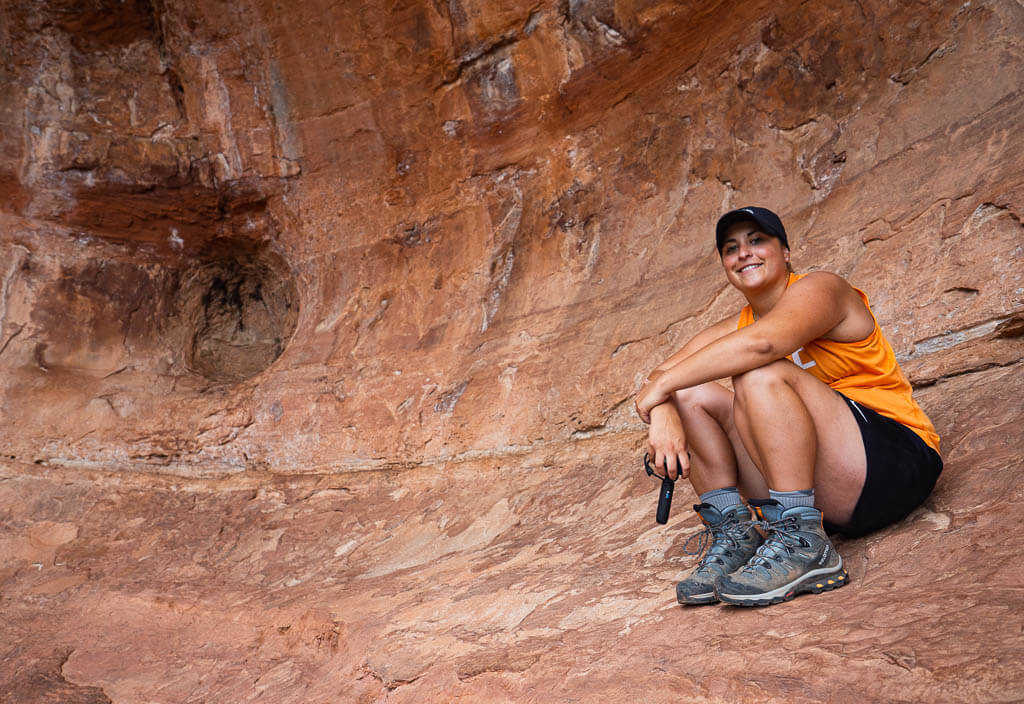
319,326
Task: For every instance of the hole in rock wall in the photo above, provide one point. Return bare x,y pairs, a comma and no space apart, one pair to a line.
240,303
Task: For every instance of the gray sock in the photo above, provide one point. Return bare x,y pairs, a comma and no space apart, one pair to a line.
722,499
789,499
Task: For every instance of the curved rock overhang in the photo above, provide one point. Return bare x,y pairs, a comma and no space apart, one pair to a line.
320,324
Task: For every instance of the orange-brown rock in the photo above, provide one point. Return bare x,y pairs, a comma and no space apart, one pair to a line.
320,324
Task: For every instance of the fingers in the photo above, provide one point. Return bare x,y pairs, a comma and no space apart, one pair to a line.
666,441
684,465
661,462
675,465
677,470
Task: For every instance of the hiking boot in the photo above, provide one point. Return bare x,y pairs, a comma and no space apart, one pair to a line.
796,557
733,541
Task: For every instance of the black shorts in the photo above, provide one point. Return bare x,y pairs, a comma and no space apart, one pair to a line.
901,471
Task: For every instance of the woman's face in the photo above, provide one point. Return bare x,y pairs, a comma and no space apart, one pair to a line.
753,259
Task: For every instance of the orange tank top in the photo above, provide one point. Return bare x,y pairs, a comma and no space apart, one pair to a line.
864,371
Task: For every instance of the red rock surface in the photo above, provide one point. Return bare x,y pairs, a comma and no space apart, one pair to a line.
319,324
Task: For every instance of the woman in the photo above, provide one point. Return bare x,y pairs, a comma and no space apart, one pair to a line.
821,425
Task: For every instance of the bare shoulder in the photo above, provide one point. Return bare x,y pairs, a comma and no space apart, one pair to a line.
821,288
823,281
855,321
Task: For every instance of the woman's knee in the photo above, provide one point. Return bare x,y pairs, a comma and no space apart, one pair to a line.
761,379
701,395
710,399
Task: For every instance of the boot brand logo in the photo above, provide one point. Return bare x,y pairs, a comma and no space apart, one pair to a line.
800,363
824,556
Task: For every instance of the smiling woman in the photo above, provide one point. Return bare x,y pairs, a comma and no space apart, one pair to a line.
821,428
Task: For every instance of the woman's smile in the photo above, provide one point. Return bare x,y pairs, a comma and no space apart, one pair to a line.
753,259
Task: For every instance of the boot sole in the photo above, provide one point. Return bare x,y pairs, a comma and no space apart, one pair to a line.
696,599
816,582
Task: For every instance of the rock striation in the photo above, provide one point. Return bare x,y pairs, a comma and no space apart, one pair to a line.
320,324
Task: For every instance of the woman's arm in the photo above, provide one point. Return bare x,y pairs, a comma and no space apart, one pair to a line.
701,339
666,443
813,307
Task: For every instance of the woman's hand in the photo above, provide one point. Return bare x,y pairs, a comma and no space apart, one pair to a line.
666,442
649,396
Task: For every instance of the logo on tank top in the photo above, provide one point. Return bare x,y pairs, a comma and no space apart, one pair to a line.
799,362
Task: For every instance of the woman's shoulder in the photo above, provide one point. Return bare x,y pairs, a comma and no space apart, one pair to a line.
851,304
819,279
819,284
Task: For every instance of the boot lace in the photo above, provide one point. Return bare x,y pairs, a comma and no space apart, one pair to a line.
716,539
780,540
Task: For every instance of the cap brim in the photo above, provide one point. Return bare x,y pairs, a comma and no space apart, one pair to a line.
730,219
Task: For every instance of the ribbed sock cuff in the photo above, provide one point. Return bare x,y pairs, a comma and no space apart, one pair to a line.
722,499
789,499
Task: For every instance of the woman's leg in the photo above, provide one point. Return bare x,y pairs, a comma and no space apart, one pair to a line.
802,435
718,458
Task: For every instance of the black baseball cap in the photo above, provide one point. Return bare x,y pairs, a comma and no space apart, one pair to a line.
765,219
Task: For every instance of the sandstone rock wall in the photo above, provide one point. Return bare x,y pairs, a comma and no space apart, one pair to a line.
319,323
465,229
